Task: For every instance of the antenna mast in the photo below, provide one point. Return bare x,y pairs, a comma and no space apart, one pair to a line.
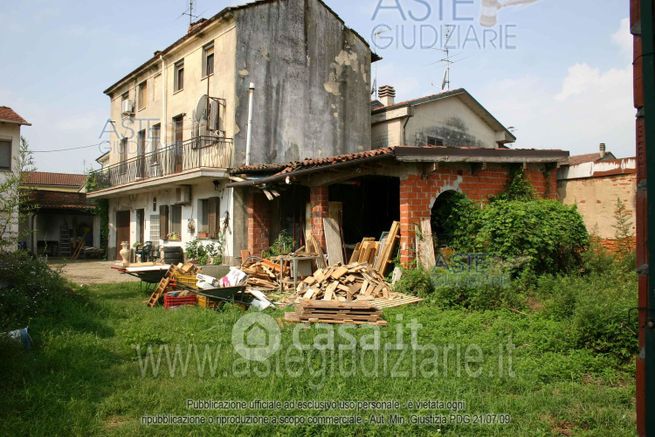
190,13
445,84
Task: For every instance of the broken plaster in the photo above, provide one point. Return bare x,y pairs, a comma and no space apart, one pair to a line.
341,61
448,187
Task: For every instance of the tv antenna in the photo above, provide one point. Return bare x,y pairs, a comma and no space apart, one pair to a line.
190,13
448,62
374,85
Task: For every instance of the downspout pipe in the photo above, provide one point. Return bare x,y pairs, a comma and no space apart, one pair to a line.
647,297
164,104
251,95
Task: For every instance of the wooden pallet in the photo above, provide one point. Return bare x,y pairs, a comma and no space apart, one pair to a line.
336,313
399,300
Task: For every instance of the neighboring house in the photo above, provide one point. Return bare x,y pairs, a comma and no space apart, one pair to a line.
181,119
451,118
10,126
594,182
59,215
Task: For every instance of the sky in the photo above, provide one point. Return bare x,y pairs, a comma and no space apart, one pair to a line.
558,72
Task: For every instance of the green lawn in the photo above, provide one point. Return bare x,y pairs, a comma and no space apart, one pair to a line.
84,376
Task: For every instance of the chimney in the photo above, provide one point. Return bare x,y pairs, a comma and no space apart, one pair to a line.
387,95
602,149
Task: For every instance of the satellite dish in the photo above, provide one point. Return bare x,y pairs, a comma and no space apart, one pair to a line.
202,108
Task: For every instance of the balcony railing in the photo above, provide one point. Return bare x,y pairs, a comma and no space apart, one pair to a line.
192,154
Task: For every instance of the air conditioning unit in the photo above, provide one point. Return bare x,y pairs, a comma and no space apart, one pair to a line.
183,195
128,107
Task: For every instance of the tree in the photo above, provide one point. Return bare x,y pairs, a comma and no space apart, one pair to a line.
13,201
622,227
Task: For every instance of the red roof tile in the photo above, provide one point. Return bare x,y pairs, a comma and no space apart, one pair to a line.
8,115
33,178
317,162
589,157
59,200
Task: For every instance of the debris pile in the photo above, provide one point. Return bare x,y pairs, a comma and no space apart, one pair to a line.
357,313
264,274
353,282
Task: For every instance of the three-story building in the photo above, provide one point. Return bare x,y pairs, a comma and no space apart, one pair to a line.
271,81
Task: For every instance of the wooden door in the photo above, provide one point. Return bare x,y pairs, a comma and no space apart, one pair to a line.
141,223
122,230
178,137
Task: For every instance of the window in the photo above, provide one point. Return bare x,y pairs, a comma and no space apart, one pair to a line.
142,95
154,204
208,60
122,155
179,76
140,153
5,155
124,98
156,87
434,141
209,217
176,220
155,138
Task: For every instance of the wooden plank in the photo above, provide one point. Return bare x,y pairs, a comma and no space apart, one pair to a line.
333,241
313,246
339,272
425,245
389,248
354,257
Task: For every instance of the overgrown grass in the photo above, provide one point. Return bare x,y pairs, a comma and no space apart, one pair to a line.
83,376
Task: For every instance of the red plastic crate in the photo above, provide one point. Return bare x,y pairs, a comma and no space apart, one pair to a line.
176,301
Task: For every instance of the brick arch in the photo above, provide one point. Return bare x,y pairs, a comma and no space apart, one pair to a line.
419,192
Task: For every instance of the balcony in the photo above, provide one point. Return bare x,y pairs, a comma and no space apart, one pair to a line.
193,154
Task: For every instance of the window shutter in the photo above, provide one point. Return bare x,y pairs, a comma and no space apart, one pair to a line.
163,221
212,215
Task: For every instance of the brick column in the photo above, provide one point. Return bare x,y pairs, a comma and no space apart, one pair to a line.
414,206
259,222
318,198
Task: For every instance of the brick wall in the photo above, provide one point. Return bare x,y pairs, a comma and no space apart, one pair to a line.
258,211
418,193
318,197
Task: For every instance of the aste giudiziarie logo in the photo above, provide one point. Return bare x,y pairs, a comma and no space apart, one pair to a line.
445,24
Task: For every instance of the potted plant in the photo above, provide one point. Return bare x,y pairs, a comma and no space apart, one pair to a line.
173,236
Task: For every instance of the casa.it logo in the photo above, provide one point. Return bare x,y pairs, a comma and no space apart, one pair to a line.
490,8
256,336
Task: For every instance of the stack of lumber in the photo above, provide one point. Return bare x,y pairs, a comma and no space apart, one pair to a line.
378,254
336,312
356,281
264,274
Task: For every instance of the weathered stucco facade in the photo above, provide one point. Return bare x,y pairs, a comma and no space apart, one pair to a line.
453,119
312,82
312,79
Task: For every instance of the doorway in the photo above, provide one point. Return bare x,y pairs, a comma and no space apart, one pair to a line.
122,230
141,224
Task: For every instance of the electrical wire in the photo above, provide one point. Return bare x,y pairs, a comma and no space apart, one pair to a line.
68,149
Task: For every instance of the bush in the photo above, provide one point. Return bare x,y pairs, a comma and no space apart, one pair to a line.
416,282
28,287
551,236
476,290
283,245
205,253
599,306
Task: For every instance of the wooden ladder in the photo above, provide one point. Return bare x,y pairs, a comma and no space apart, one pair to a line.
161,288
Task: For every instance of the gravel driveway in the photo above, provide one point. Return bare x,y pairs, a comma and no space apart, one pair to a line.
91,272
